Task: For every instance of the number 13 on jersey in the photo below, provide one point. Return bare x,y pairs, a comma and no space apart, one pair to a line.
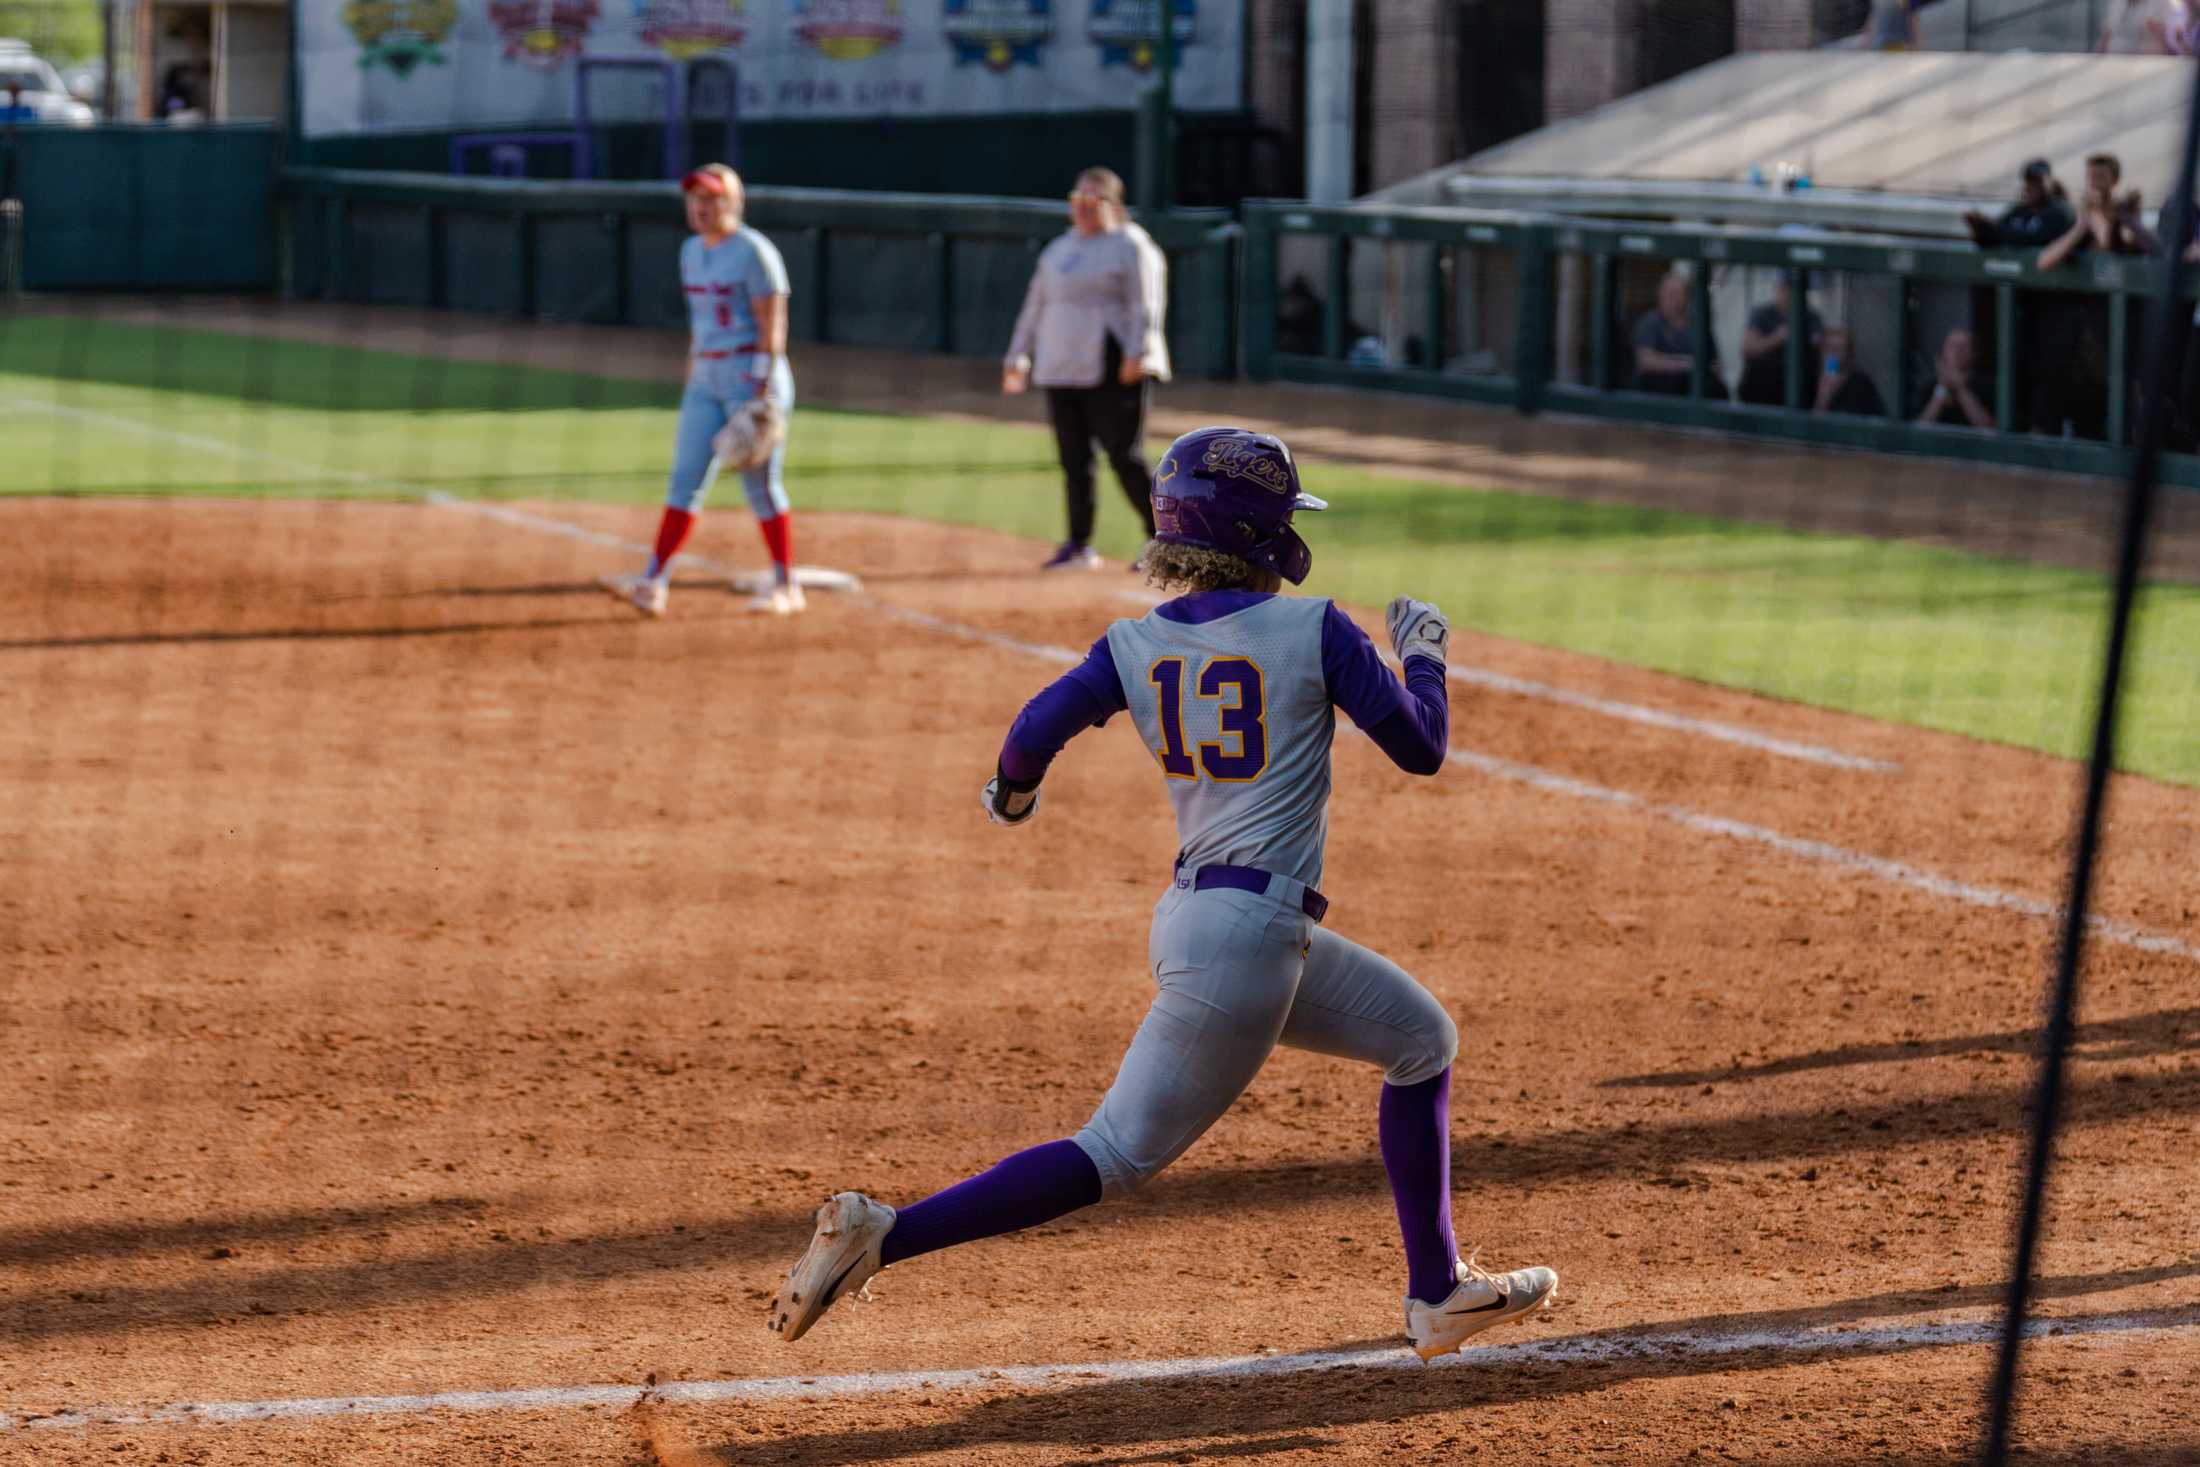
1233,685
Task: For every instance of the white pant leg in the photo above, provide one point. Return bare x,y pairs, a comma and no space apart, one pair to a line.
1360,1005
1227,965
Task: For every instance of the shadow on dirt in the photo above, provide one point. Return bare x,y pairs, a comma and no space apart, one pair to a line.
2140,1036
750,1247
611,615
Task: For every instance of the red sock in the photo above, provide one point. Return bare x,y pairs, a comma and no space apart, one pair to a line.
672,533
779,539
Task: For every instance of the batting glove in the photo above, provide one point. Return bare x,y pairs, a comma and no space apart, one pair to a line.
1417,629
1006,806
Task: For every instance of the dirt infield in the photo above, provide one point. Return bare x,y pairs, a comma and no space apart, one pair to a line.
425,976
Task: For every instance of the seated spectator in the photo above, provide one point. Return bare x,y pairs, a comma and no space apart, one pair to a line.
2041,214
2106,220
1764,348
1299,319
1892,27
1841,387
1665,343
2140,27
1954,401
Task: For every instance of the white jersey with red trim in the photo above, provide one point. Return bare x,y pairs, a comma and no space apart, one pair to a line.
721,282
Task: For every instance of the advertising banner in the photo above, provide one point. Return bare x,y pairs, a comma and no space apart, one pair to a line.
398,65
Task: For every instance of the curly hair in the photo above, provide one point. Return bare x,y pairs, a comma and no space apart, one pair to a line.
1195,568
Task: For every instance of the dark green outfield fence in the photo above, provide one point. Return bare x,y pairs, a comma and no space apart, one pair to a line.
917,272
144,208
1527,311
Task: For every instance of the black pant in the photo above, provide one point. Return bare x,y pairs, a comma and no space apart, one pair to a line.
1114,415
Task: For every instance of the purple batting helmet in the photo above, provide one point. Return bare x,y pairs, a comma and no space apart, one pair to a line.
1233,490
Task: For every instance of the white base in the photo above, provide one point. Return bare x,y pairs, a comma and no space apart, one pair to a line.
808,577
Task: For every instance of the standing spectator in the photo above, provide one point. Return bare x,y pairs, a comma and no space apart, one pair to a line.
2106,221
2140,27
1093,318
1841,387
2069,351
1954,402
1665,343
1764,347
2040,215
1892,27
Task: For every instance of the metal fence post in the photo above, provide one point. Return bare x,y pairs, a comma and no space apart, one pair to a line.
1905,338
1340,285
1699,336
2005,358
1532,367
1600,330
943,292
1257,294
1795,365
2119,378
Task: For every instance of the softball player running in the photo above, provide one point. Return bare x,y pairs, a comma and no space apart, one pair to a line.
736,288
1231,687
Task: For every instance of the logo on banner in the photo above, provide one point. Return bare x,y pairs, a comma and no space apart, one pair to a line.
848,30
401,34
1128,32
686,29
998,33
543,33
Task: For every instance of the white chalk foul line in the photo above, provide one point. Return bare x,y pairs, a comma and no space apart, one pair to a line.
1898,872
1707,728
1594,1349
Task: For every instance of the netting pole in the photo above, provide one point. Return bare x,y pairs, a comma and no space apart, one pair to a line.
2160,381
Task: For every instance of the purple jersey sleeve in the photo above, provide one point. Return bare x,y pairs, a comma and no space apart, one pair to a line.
1086,696
1409,721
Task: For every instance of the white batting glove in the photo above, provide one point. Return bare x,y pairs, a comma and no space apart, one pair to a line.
1417,629
1004,806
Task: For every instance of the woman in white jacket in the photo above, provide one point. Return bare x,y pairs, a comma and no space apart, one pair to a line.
1091,334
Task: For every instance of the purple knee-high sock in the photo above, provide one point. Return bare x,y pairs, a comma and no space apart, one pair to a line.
1027,1189
1415,1125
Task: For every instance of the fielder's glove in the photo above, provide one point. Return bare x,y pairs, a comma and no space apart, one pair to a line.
750,435
1006,805
1417,629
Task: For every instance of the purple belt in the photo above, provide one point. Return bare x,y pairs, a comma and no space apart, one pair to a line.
1253,879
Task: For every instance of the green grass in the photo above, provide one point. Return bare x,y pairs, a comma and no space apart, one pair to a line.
1994,648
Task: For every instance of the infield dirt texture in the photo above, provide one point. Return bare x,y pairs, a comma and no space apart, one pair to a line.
423,976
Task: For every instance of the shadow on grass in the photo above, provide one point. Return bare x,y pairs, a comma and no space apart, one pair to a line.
301,374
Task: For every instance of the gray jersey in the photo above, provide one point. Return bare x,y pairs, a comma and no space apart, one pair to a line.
1236,710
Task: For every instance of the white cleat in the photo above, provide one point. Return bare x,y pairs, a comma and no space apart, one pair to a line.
783,600
640,592
1481,1300
842,1256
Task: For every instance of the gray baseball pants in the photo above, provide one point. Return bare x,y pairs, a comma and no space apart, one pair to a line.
1239,973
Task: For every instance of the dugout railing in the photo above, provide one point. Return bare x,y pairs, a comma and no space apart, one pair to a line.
908,271
1536,312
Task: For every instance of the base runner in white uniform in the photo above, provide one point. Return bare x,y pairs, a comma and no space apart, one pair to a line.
1231,689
